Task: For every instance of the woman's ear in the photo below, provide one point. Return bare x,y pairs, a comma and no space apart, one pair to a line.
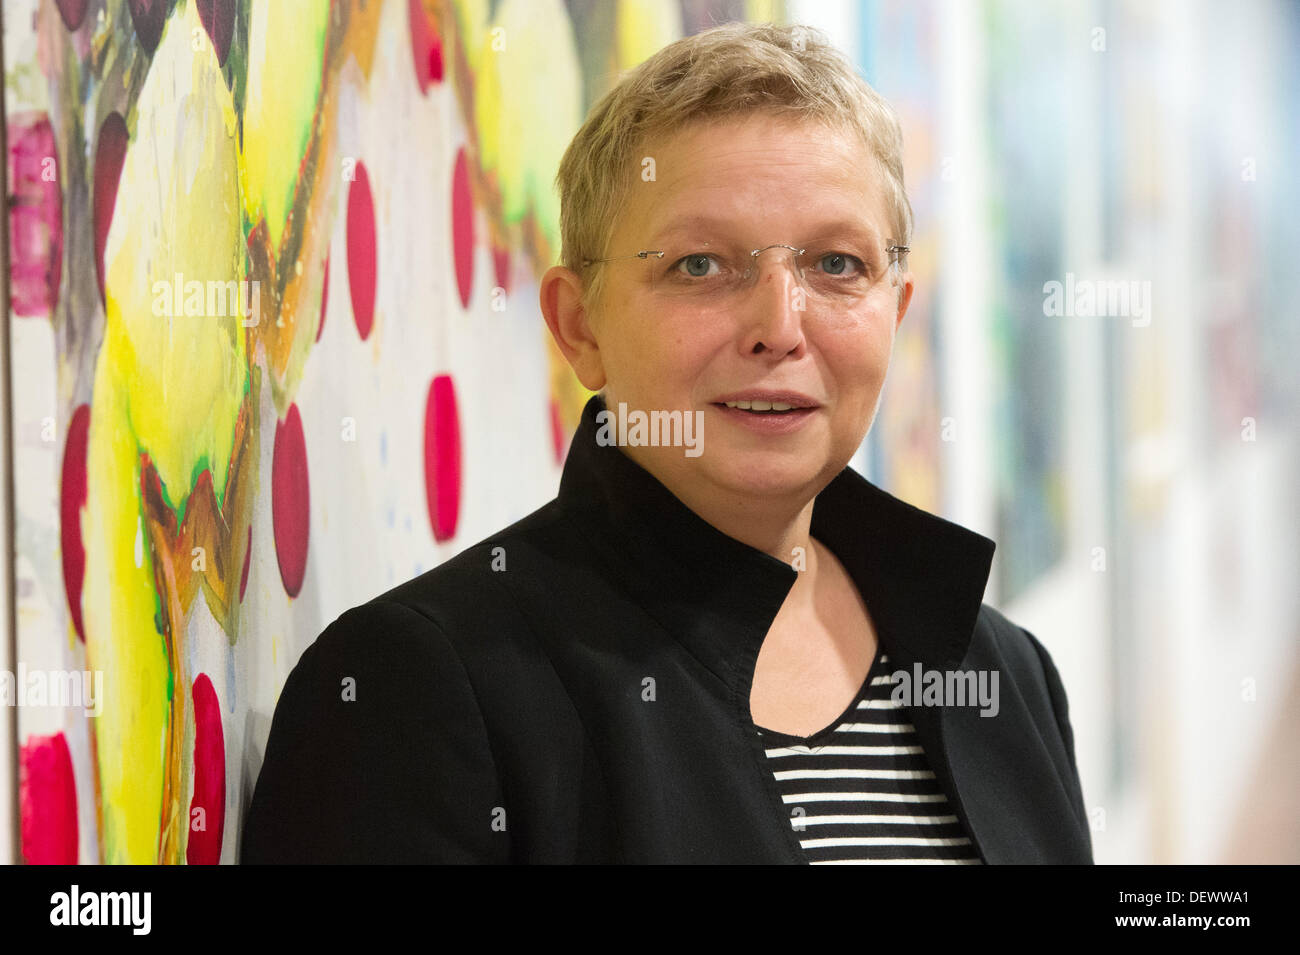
905,288
561,301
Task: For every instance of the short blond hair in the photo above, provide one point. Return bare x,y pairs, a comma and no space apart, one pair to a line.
724,72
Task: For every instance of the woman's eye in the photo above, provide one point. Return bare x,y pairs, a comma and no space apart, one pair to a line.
696,266
840,263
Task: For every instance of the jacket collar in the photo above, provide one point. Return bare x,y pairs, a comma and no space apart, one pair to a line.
922,577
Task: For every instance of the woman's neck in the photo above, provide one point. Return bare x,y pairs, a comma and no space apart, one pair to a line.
778,526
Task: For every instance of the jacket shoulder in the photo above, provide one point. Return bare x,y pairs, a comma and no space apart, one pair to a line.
377,752
1011,641
1031,666
470,592
1022,650
1036,678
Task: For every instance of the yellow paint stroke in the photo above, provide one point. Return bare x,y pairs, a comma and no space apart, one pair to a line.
644,28
522,92
169,387
286,44
291,171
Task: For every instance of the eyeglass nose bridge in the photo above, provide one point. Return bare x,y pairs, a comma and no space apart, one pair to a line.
751,271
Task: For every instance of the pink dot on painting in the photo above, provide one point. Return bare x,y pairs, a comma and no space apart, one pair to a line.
442,457
290,501
35,216
462,227
149,17
110,153
435,59
47,801
501,265
426,46
72,498
248,558
362,254
72,11
208,805
557,432
324,298
218,19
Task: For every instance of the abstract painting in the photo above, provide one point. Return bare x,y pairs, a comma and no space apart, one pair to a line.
276,348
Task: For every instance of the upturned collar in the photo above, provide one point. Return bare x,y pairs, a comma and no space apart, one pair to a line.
921,577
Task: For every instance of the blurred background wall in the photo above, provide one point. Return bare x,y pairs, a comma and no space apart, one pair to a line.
1094,370
1106,234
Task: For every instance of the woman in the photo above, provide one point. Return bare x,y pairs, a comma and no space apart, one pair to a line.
718,643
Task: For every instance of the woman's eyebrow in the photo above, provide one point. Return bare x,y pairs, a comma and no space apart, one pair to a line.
845,229
839,228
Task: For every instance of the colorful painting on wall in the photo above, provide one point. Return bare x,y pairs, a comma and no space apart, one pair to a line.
900,58
1025,47
276,348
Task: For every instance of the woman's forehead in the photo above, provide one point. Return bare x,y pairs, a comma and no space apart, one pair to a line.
725,179
696,209
769,142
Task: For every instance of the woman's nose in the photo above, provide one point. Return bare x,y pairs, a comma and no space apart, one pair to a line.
775,302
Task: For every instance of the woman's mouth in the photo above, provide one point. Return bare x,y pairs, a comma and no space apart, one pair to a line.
765,417
761,407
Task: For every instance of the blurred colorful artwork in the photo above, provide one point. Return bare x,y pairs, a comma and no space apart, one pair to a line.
1027,154
276,348
898,53
1194,193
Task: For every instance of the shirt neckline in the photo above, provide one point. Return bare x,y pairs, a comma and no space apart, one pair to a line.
820,737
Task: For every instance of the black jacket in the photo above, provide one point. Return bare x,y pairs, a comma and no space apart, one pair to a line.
500,707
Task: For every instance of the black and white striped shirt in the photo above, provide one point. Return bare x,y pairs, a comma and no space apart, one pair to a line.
862,791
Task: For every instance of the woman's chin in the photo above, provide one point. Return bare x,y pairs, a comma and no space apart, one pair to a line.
765,475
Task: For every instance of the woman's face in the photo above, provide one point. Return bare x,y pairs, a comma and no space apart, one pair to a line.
755,181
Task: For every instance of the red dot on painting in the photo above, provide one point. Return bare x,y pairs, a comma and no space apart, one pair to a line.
72,11
110,153
290,502
248,559
35,216
209,801
557,432
426,46
501,265
442,458
47,801
435,59
218,19
462,227
324,298
361,251
72,498
148,16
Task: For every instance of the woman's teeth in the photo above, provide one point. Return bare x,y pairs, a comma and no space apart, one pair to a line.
759,405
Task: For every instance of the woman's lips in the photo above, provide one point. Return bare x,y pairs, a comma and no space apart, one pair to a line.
767,422
794,399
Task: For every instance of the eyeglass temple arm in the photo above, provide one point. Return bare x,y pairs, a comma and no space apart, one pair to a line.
635,255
